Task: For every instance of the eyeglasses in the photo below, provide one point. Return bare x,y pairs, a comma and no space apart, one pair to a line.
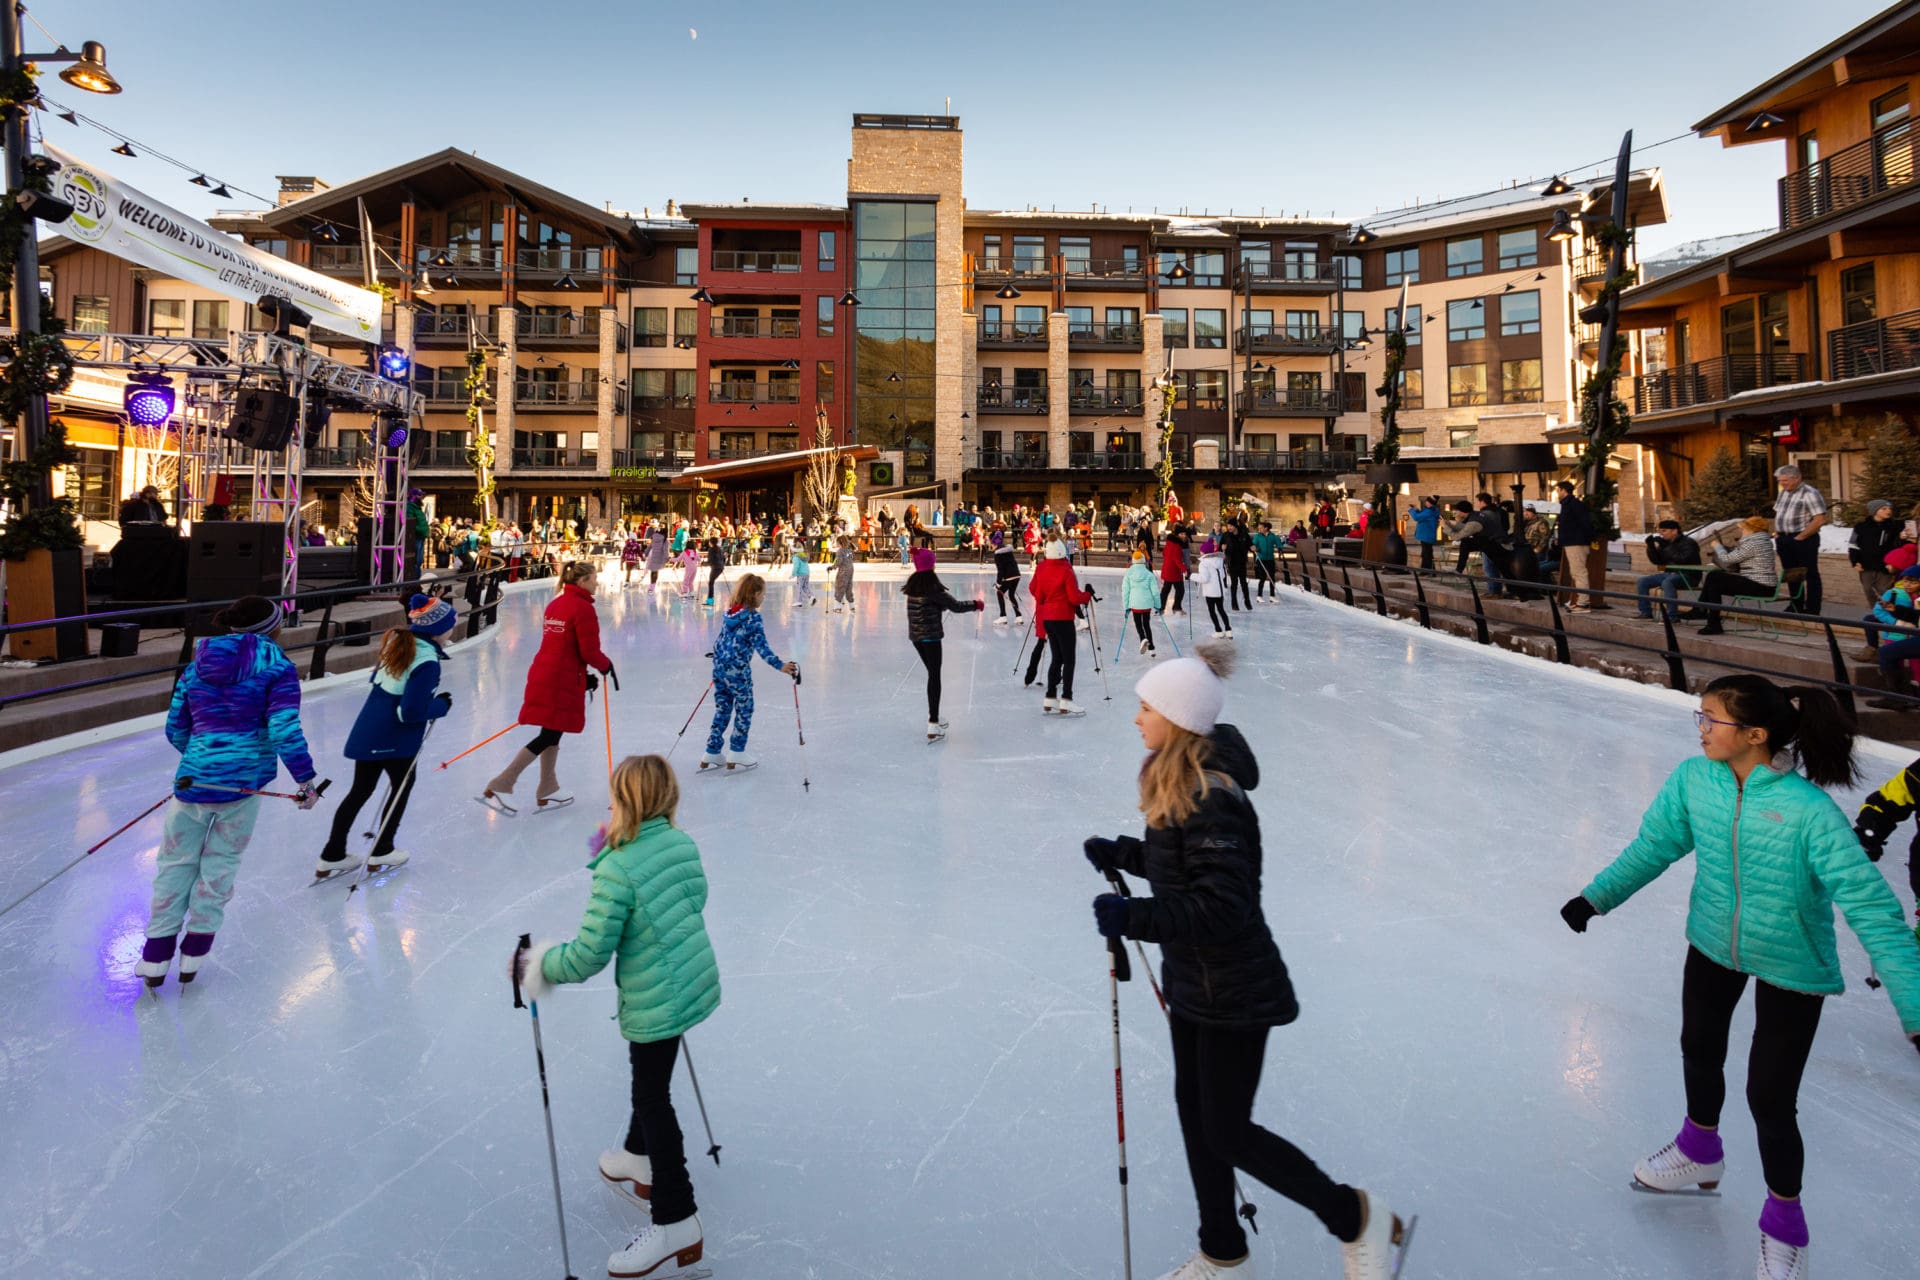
1701,720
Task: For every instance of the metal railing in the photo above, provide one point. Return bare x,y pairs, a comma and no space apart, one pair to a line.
1124,335
992,398
535,328
1318,274
753,326
1016,268
1290,460
1853,175
1315,402
662,458
782,261
1106,460
336,457
1013,335
573,395
754,392
581,258
1106,272
443,459
1009,459
571,459
735,453
1106,400
452,326
1881,345
1310,339
346,259
662,401
1704,382
476,258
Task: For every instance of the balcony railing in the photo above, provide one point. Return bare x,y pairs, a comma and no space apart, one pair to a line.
1031,269
1853,175
1290,460
1107,460
1010,459
573,260
1096,335
754,392
557,395
337,457
1705,382
583,326
1293,402
443,397
1106,273
1318,276
340,259
664,459
475,259
1106,400
666,401
738,452
443,328
568,459
782,261
753,327
1013,335
1874,346
993,398
1287,339
442,459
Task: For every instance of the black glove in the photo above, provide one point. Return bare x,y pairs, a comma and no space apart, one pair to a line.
1102,853
445,700
1873,825
593,682
1577,912
1110,915
612,678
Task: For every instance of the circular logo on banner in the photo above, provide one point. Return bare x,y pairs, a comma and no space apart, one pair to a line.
86,191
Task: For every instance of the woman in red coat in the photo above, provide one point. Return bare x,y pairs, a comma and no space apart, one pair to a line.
1173,571
557,686
1056,593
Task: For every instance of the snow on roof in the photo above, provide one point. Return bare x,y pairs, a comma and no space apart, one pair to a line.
1694,252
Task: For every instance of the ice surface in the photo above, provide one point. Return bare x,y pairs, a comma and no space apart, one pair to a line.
911,1068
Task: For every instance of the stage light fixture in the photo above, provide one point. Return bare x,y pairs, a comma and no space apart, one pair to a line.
393,363
148,399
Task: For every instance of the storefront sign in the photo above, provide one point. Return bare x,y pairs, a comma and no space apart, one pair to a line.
636,473
127,223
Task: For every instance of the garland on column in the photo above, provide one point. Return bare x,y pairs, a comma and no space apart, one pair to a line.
1386,450
479,448
1605,429
1163,469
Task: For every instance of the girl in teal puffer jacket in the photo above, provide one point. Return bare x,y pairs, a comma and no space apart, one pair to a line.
645,917
1139,592
1773,855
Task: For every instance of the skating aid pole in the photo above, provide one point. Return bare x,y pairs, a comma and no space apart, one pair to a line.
1093,625
546,1105
393,791
1117,971
184,784
1025,641
690,715
82,858
806,783
476,746
713,1148
143,813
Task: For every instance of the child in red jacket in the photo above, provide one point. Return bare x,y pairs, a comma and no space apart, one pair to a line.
1056,593
557,688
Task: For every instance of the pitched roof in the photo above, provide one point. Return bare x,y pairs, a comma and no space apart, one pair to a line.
1890,36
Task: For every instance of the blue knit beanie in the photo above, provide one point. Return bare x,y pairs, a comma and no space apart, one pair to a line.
430,616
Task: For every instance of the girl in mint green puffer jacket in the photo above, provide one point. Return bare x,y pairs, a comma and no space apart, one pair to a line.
1773,855
645,918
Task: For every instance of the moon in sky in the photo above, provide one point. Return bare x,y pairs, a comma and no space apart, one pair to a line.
693,33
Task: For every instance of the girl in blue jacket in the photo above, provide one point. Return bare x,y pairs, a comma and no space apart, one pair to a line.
1773,854
387,735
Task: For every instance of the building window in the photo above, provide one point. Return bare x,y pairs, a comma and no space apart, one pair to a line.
1302,326
1256,256
1349,264
989,253
893,246
1301,260
90,314
1403,264
683,385
823,380
1209,328
1173,326
1030,254
826,250
650,326
686,264
1466,256
650,388
166,317
1209,389
1168,260
1519,248
823,316
90,484
1520,381
1078,253
1463,437
1519,313
1209,268
1413,390
274,246
1466,320
1411,325
686,326
1466,384
1029,322
1890,108
1350,324
1857,301
210,319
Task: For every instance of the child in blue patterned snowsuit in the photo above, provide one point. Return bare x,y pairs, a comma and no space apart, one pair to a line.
742,635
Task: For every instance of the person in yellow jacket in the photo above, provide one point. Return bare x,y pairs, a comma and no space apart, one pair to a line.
1886,809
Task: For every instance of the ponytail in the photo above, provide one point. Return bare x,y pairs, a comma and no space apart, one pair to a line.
396,652
576,570
1805,721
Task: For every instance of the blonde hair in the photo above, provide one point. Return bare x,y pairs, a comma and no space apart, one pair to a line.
750,591
1755,524
396,651
576,570
1173,781
644,787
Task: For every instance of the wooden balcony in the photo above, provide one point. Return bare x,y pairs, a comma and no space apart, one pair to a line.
1851,176
1707,382
1303,402
1012,337
1098,335
1884,345
991,397
1106,273
1319,277
1286,339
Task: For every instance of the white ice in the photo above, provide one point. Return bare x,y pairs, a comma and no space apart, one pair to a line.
911,1071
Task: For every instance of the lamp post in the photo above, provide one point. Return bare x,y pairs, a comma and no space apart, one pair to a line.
89,72
1517,460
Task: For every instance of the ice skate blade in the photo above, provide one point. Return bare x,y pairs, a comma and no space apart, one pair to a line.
1403,1240
551,804
343,872
495,803
1707,1189
629,1190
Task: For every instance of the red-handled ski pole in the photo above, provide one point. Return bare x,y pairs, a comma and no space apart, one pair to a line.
690,715
1118,972
183,784
143,813
1119,883
546,1105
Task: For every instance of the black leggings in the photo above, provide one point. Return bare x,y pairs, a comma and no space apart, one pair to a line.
654,1130
541,741
1217,614
1784,1023
929,651
1062,648
1216,1071
711,575
1263,573
1237,589
1719,584
1178,589
1141,617
1008,589
366,777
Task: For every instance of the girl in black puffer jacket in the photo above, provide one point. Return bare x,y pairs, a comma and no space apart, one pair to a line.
928,600
1224,981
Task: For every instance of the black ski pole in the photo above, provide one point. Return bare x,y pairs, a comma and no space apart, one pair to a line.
405,780
1025,640
713,1148
1118,972
546,1106
1093,624
806,782
1119,883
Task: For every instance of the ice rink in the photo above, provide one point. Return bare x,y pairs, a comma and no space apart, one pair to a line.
911,1070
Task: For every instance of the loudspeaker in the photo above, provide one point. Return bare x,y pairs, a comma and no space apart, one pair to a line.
120,640
262,418
149,563
233,559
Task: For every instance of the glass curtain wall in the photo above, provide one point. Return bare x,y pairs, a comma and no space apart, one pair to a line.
895,277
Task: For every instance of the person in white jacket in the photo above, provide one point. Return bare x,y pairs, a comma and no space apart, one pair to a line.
1213,585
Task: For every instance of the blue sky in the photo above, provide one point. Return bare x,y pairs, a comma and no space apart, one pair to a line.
1292,107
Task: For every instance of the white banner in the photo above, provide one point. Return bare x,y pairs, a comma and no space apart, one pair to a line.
126,222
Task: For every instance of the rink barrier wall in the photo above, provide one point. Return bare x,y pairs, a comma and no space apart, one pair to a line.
1312,568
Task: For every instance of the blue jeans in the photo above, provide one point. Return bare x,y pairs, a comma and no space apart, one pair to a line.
1668,584
1895,652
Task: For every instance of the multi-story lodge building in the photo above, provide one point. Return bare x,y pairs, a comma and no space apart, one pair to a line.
692,357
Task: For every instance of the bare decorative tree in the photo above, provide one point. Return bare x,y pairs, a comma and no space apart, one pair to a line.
820,485
156,454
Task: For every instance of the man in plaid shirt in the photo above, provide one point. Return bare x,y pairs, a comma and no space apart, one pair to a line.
1798,513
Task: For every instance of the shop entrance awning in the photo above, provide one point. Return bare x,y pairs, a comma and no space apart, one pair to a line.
716,474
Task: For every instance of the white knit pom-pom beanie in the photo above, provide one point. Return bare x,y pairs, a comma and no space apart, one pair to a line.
1190,692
